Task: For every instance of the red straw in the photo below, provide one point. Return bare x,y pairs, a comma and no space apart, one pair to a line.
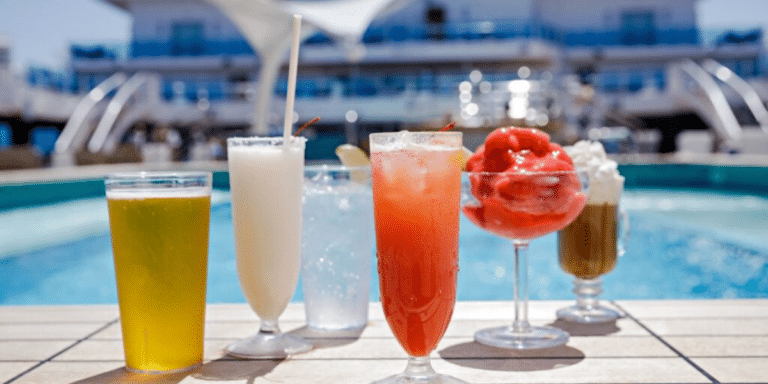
315,120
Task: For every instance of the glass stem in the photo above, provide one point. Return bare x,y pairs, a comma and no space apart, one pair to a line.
269,327
587,292
521,324
419,367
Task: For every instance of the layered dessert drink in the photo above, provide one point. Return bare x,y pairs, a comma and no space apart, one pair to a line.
588,246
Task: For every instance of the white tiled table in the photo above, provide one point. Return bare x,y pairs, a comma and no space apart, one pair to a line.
706,341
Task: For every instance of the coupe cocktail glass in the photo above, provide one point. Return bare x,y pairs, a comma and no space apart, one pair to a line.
416,196
266,178
521,206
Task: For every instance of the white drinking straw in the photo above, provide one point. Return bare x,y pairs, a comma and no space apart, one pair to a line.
292,69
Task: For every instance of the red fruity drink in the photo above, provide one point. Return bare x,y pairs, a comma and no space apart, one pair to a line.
524,185
416,195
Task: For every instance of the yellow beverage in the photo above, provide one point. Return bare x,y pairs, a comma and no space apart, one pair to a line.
160,244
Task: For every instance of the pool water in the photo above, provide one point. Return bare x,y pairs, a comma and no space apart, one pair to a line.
684,244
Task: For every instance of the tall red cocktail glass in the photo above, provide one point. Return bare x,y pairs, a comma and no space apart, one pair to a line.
416,179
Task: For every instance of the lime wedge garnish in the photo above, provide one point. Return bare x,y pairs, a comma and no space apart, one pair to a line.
352,156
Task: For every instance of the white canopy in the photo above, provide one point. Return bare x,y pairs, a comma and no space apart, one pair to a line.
266,25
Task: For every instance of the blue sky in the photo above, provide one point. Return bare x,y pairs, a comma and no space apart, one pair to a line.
41,30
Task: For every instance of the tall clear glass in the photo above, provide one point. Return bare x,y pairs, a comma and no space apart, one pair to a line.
520,206
336,247
266,178
416,196
159,224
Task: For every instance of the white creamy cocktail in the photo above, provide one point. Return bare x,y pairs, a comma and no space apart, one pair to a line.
266,179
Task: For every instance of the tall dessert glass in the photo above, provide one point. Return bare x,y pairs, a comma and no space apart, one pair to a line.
587,249
266,177
416,196
522,205
590,246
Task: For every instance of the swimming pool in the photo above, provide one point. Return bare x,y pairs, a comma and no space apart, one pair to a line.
687,241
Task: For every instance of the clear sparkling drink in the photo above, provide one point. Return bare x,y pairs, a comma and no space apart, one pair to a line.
337,247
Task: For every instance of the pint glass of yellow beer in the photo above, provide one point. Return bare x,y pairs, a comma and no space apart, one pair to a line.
159,224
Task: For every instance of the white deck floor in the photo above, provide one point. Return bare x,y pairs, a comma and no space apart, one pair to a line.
690,341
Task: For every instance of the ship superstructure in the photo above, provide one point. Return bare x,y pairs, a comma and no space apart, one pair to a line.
582,63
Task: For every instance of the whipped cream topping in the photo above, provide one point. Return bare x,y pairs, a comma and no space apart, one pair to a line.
605,183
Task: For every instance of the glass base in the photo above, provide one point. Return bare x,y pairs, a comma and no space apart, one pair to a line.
352,329
588,315
419,370
408,379
159,372
535,338
268,346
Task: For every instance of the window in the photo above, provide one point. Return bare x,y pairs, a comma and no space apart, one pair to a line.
635,81
5,56
660,79
5,135
638,27
610,82
44,138
434,16
746,67
239,77
187,39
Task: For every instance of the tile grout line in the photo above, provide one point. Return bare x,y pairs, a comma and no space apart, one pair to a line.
40,363
684,357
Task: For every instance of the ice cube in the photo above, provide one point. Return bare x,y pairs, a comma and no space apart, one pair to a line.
343,204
